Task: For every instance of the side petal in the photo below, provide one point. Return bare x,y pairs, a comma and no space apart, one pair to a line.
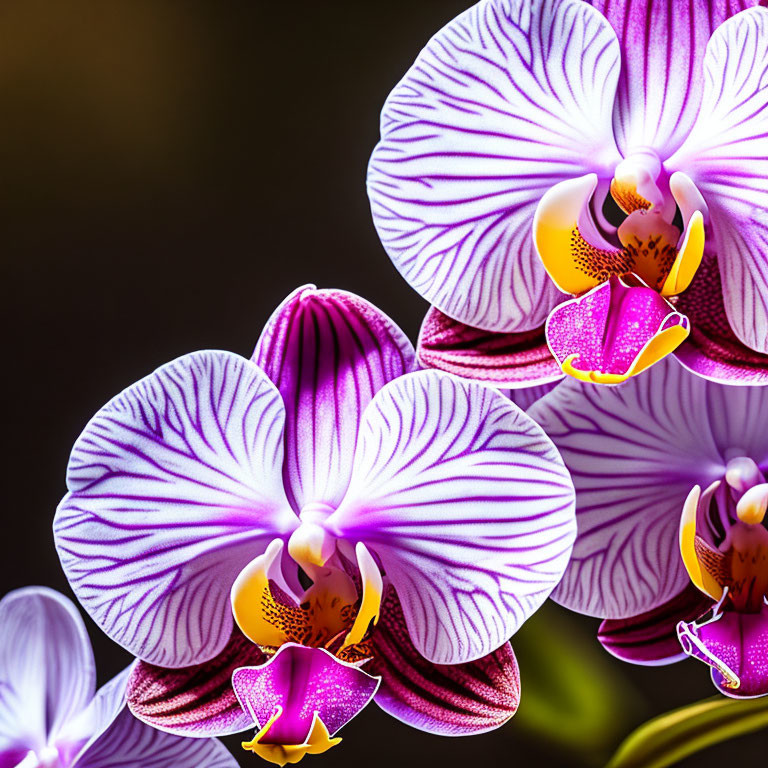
302,682
468,506
651,637
508,99
713,350
47,670
634,452
726,158
501,359
128,743
328,352
194,701
661,83
174,486
452,700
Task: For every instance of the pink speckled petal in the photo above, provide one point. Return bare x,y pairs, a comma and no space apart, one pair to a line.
651,637
713,350
450,700
606,330
737,640
303,682
501,359
194,701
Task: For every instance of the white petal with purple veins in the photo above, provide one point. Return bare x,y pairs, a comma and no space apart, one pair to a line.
661,83
328,352
47,670
510,98
129,743
174,486
726,157
468,506
634,452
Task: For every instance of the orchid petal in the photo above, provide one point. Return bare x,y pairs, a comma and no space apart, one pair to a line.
302,682
651,637
328,352
194,701
500,359
725,157
634,453
174,486
507,100
468,507
128,743
47,670
735,645
661,83
448,700
614,331
713,350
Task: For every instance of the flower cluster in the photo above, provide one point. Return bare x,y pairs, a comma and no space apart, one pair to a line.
580,191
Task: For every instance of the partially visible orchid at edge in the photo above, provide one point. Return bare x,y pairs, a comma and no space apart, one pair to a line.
671,494
430,516
51,715
599,166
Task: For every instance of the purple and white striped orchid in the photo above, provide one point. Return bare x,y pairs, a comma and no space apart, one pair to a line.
656,556
613,151
430,515
50,713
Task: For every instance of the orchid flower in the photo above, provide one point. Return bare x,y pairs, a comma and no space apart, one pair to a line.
656,556
282,539
581,187
50,713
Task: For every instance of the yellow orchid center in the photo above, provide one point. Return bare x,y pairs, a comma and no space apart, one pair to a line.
735,568
332,613
577,254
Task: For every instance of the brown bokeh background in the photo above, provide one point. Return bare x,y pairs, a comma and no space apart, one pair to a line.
169,171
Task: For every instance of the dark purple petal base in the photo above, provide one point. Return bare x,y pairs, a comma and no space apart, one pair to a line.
651,637
194,701
713,350
502,359
454,700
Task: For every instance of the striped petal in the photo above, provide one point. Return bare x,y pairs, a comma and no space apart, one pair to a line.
634,452
501,359
174,486
712,350
468,506
510,98
47,670
651,637
328,352
726,158
662,82
453,700
128,743
194,701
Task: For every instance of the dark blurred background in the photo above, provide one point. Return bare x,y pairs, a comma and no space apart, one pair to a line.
169,171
